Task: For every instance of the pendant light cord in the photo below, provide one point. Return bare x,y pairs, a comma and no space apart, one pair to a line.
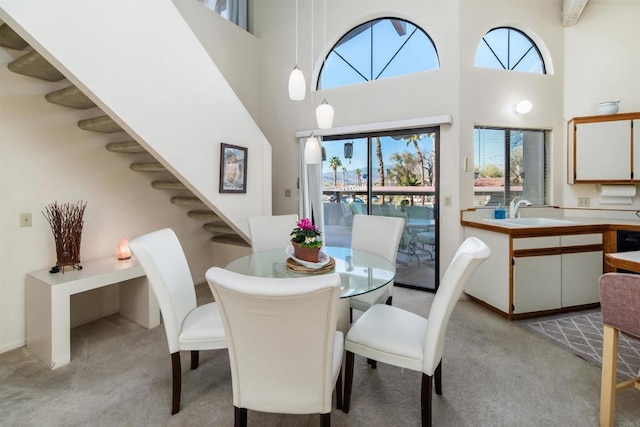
296,33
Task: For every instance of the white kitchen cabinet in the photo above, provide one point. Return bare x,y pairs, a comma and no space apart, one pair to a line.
600,149
537,274
536,283
580,274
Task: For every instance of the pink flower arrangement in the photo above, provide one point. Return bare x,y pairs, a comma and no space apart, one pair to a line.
306,234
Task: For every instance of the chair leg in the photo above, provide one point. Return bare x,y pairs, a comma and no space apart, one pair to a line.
348,382
425,400
339,397
438,378
177,381
389,300
325,420
609,370
373,363
239,417
195,359
350,315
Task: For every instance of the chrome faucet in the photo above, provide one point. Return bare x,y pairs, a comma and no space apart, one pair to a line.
513,206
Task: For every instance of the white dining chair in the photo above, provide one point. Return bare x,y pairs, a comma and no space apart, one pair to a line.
187,326
395,336
271,231
285,353
379,235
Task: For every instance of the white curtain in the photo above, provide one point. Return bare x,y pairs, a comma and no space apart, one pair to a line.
311,188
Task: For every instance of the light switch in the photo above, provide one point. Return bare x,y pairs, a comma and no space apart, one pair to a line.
25,219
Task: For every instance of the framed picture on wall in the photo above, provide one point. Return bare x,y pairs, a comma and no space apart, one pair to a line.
233,169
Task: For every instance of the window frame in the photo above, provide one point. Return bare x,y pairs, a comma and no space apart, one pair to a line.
533,46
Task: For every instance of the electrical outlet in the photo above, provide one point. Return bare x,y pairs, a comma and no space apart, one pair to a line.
25,219
583,202
447,200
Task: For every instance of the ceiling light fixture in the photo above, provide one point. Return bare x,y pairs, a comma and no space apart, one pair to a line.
297,83
523,107
312,151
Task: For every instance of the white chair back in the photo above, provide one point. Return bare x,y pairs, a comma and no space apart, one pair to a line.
468,257
271,231
280,334
379,235
167,270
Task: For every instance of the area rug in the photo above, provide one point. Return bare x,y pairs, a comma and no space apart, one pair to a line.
581,334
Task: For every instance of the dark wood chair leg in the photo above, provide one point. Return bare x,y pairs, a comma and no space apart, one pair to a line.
373,363
339,397
195,359
348,382
425,400
325,420
350,315
240,417
177,382
438,378
389,300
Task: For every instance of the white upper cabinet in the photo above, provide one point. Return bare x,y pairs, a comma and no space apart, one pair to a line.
604,149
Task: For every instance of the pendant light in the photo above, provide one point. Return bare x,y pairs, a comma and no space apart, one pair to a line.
324,112
312,151
348,150
297,84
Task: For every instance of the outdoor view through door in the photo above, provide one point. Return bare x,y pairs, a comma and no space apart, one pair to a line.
391,174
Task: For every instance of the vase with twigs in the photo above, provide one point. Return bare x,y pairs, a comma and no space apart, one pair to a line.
66,224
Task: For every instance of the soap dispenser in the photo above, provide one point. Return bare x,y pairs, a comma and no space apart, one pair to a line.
499,212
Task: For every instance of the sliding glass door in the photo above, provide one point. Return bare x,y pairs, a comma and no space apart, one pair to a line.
390,174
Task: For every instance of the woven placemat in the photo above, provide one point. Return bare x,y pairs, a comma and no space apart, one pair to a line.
294,266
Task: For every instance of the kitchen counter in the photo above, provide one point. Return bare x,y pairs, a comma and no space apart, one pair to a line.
547,261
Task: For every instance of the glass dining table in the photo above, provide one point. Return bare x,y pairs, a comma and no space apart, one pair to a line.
360,272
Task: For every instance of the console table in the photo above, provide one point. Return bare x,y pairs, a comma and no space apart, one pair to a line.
48,303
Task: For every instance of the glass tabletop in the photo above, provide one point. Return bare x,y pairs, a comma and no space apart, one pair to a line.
360,271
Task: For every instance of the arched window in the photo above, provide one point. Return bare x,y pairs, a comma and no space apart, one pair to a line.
506,48
378,49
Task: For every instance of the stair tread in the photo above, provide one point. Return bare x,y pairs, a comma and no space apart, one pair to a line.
70,96
186,200
32,64
168,185
10,39
202,214
147,167
218,227
230,239
128,147
104,124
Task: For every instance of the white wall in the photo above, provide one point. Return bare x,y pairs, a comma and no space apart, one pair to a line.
470,95
45,157
602,64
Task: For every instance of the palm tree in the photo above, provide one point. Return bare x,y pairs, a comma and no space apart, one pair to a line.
359,177
335,163
413,139
344,177
380,162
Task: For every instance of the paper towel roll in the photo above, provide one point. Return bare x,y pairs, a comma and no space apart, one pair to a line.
617,194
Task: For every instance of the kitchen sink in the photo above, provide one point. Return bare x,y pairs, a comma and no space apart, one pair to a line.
532,222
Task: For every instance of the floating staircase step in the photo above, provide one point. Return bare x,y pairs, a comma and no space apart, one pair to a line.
230,239
70,97
203,214
168,185
104,124
148,167
32,64
11,39
218,227
187,201
127,147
